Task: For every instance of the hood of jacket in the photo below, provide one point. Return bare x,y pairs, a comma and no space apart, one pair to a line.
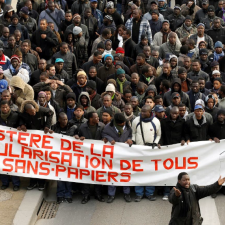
32,102
6,9
151,87
18,82
176,81
85,94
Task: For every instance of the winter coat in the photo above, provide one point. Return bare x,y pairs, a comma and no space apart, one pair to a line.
8,51
62,75
3,20
78,89
185,11
129,46
194,215
31,61
35,77
84,131
217,34
25,91
183,33
101,110
70,131
196,132
76,6
39,121
221,103
77,122
167,98
172,132
151,130
92,25
201,14
162,77
175,21
116,17
100,86
217,130
137,49
86,66
70,62
208,40
104,72
96,42
46,44
165,48
194,76
111,133
213,112
208,117
11,121
21,28
193,97
95,102
30,24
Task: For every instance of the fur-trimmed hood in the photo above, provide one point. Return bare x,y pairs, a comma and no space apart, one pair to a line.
32,102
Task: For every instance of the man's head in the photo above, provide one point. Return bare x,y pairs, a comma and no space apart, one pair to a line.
92,72
84,100
198,111
108,58
182,73
221,116
5,107
176,99
196,65
174,113
205,4
97,57
107,115
195,86
11,41
144,40
173,61
211,11
94,4
153,5
126,34
210,101
81,77
59,64
43,24
15,19
217,23
164,85
15,61
51,6
91,87
187,63
201,82
203,54
218,47
128,109
182,110
127,94
17,34
107,100
25,47
134,101
155,54
147,50
136,14
155,15
6,95
87,12
190,44
146,111
167,68
188,21
140,59
159,112
216,74
50,69
68,15
172,38
107,21
161,3
63,47
30,109
79,111
92,118
165,25
149,100
177,10
135,78
63,120
71,100
106,33
76,19
5,32
184,180
42,64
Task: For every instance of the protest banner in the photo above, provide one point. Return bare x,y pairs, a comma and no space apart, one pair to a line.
59,157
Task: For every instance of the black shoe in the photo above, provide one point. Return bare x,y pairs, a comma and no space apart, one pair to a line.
60,200
3,187
16,188
110,199
85,199
127,198
69,200
31,186
151,198
214,195
41,187
138,198
99,198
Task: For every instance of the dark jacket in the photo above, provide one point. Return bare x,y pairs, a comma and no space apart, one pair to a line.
208,40
129,46
100,86
62,28
217,34
92,25
116,17
21,28
202,13
84,131
193,97
78,89
30,24
95,102
62,75
45,44
79,5
162,77
196,132
217,130
86,66
8,51
77,122
137,49
31,61
104,72
3,20
172,133
209,21
213,112
156,26
35,77
196,193
166,12
195,75
111,134
12,120
71,129
167,98
175,21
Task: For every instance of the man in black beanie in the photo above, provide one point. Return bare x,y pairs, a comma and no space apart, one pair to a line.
94,96
118,130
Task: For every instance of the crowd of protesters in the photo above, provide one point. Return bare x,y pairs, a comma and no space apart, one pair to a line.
135,72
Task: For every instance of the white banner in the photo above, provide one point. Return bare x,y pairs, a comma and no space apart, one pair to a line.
59,157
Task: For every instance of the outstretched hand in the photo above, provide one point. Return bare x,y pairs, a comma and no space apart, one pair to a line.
177,192
221,180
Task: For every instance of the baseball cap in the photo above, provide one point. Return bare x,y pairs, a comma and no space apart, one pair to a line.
198,107
159,108
214,63
203,51
3,85
25,10
93,0
205,2
175,95
59,60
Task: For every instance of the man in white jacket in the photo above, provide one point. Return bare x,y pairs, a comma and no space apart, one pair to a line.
146,130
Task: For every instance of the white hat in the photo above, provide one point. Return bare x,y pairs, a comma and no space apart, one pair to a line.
200,102
77,30
215,71
110,87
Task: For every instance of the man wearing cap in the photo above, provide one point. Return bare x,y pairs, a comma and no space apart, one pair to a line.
175,101
163,35
186,30
107,23
160,112
79,6
176,19
203,58
197,128
202,13
218,52
52,14
118,130
27,21
138,26
153,6
208,21
164,9
60,72
94,96
96,12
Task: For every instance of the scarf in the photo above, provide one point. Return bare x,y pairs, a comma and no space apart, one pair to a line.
81,85
13,70
164,8
147,120
187,28
120,38
218,56
121,84
5,116
140,97
185,204
165,35
223,17
2,60
119,129
128,118
92,95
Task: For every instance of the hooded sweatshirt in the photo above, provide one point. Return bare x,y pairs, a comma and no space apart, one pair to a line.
88,108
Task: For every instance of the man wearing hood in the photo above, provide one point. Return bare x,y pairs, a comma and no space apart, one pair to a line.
84,100
176,87
210,106
6,18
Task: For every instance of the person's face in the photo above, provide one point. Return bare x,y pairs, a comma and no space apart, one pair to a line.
176,87
63,120
108,61
182,111
128,110
155,16
31,112
52,71
211,14
166,68
25,47
159,101
155,54
147,51
88,13
217,67
221,118
160,115
149,102
187,63
82,79
107,101
17,36
120,31
41,99
217,23
77,20
204,57
151,93
205,6
165,26
173,62
216,84
92,73
210,103
70,38
196,66
110,11
29,5
6,96
138,3
174,114
106,21
218,50
116,59
182,76
101,50
134,102
5,108
14,63
145,113
59,66
108,45
95,118
42,78
185,181
5,32
202,45
84,100
51,26
195,87
140,61
43,25
135,14
176,11
125,35
89,90
78,113
140,91
200,30
127,97
51,6
216,75
98,58
144,42
153,6
54,85
172,39
11,41
94,5
42,64
15,21
201,84
48,95
106,118
198,113
64,49
121,77
176,101
70,102
68,16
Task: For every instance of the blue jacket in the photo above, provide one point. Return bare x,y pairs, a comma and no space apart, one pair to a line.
98,15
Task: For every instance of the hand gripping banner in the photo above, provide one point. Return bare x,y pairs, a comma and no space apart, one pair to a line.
59,157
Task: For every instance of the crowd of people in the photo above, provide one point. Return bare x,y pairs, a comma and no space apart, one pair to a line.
135,72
